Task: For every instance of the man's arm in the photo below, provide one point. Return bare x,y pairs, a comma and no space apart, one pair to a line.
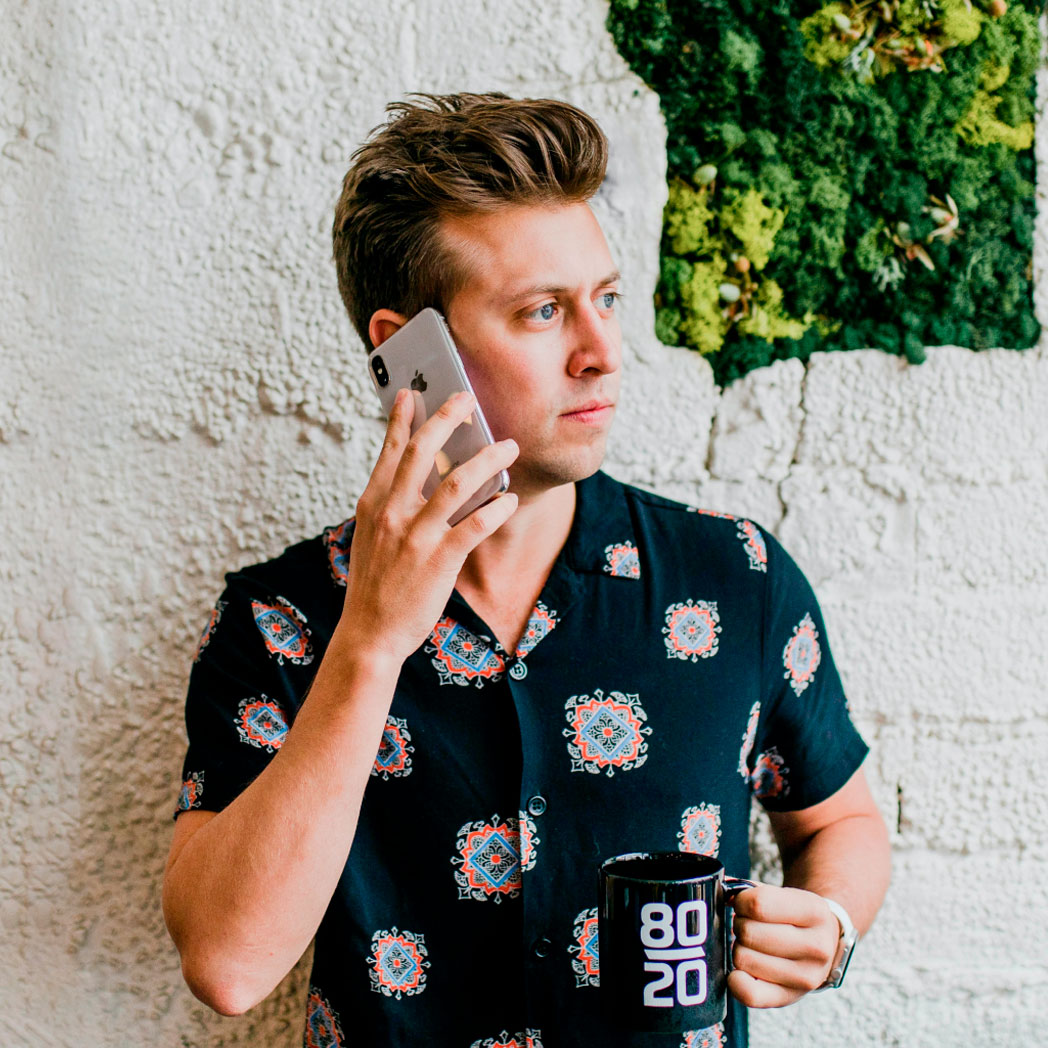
786,938
245,889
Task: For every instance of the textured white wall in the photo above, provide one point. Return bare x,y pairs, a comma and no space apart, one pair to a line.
180,394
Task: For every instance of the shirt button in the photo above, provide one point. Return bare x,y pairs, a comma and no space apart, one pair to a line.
518,671
537,805
542,947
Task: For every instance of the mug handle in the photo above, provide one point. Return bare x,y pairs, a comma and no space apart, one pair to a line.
732,887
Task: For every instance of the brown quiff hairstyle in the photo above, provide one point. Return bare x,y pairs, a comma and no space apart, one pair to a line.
443,155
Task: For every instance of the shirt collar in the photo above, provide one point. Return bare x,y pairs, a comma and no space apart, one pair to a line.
601,525
602,522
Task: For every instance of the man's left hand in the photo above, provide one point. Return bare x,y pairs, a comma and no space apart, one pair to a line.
785,944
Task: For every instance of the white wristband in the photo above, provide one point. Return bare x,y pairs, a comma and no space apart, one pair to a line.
845,946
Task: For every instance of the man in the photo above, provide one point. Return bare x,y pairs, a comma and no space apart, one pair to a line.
416,743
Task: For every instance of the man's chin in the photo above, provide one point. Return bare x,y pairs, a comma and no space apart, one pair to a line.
553,471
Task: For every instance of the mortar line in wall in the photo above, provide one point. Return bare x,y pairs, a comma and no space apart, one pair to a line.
795,457
712,434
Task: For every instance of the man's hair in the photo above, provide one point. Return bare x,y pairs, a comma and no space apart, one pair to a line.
447,155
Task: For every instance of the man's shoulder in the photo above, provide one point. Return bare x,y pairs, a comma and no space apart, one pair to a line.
676,530
686,513
319,559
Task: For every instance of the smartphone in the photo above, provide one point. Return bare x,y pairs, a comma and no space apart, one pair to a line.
422,357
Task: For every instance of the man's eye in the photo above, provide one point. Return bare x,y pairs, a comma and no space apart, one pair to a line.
607,300
543,312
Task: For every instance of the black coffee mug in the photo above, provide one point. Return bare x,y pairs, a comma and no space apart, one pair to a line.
663,943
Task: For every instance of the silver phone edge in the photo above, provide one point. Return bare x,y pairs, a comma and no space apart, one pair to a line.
501,479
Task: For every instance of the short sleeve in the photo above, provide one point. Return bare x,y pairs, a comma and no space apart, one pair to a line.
244,689
805,746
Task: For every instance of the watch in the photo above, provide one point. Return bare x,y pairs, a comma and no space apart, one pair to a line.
845,947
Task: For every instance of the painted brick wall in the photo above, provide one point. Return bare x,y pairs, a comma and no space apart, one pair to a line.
180,394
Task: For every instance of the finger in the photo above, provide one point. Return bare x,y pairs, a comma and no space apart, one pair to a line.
798,976
398,432
464,481
473,529
418,402
774,905
416,460
780,940
755,993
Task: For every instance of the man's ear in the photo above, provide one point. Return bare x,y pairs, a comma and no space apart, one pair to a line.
383,323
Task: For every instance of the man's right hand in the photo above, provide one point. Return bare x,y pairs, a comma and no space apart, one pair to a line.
405,558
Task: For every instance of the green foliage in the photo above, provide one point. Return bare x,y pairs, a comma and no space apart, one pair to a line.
688,220
961,22
873,248
753,224
821,153
742,53
767,319
980,126
700,297
703,324
823,46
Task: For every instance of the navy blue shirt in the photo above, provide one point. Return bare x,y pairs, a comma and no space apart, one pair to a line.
675,667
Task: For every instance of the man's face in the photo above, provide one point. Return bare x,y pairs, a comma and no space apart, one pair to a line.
536,326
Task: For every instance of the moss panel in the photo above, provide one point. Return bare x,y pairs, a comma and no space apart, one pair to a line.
841,176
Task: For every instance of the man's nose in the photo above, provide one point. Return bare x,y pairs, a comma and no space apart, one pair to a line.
597,343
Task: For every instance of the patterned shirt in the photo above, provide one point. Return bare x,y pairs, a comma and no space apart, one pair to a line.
674,667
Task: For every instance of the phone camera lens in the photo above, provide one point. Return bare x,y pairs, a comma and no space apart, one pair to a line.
379,367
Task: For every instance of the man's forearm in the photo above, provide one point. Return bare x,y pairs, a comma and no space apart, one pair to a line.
848,861
285,838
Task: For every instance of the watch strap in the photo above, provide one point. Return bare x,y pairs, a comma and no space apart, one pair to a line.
845,947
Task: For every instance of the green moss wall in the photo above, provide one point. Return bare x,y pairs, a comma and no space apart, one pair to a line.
841,176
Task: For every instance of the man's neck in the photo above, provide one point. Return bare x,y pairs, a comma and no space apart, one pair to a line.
524,548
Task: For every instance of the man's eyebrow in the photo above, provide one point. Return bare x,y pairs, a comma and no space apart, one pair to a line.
537,290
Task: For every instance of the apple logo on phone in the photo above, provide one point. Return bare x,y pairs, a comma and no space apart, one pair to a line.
418,382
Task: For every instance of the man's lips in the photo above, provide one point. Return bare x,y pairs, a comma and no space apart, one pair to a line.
591,411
